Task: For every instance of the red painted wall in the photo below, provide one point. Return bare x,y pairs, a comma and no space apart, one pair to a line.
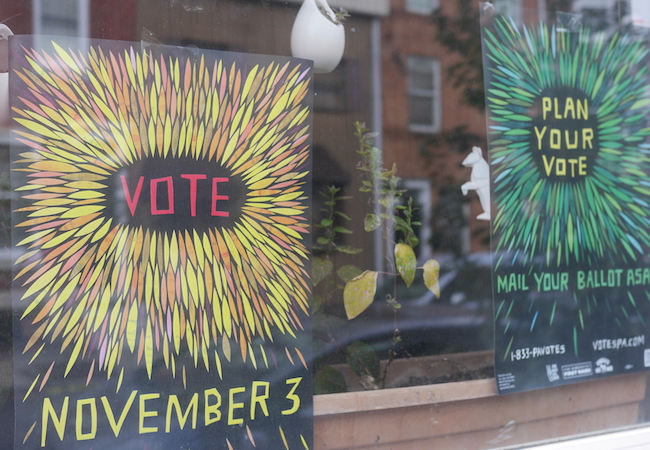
17,15
114,19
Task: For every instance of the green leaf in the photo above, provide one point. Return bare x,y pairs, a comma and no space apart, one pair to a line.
348,272
321,268
371,222
363,359
359,293
405,262
640,103
342,230
323,240
401,222
328,380
317,304
431,276
348,249
326,222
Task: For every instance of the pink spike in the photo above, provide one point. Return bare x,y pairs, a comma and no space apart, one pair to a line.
134,63
163,73
125,75
33,145
48,225
169,325
33,107
46,377
102,352
214,75
302,75
224,84
72,261
45,100
280,242
90,372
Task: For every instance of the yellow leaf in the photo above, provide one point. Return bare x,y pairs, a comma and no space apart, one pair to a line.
73,356
81,211
74,319
102,309
226,319
279,106
148,349
431,276
405,262
225,347
54,166
42,282
193,284
66,58
66,293
58,240
359,293
132,326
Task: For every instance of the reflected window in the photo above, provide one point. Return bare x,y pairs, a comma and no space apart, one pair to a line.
62,17
339,91
599,14
424,94
510,8
421,6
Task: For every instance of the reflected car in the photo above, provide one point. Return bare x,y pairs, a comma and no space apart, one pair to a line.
460,320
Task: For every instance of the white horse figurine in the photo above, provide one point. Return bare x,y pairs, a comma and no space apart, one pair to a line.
480,180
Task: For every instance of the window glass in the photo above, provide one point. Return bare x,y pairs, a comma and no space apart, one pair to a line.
424,94
390,130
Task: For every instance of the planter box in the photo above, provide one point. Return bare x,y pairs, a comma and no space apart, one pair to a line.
470,414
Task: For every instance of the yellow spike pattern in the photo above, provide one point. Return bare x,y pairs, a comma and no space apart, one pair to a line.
98,289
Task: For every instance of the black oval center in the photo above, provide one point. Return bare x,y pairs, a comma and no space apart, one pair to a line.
172,194
564,138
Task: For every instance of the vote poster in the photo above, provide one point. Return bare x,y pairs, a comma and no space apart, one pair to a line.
160,225
569,150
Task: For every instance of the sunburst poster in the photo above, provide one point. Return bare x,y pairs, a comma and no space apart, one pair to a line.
569,136
161,233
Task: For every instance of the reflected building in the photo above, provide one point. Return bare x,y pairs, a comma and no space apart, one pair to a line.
399,75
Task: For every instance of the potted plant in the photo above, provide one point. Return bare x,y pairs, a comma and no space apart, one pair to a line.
355,289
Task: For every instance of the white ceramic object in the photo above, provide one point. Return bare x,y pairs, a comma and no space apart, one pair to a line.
317,37
479,180
5,32
4,100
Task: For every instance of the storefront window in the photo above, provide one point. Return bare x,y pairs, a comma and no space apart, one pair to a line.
206,243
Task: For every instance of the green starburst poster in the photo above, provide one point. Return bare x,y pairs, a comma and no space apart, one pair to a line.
160,227
569,153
